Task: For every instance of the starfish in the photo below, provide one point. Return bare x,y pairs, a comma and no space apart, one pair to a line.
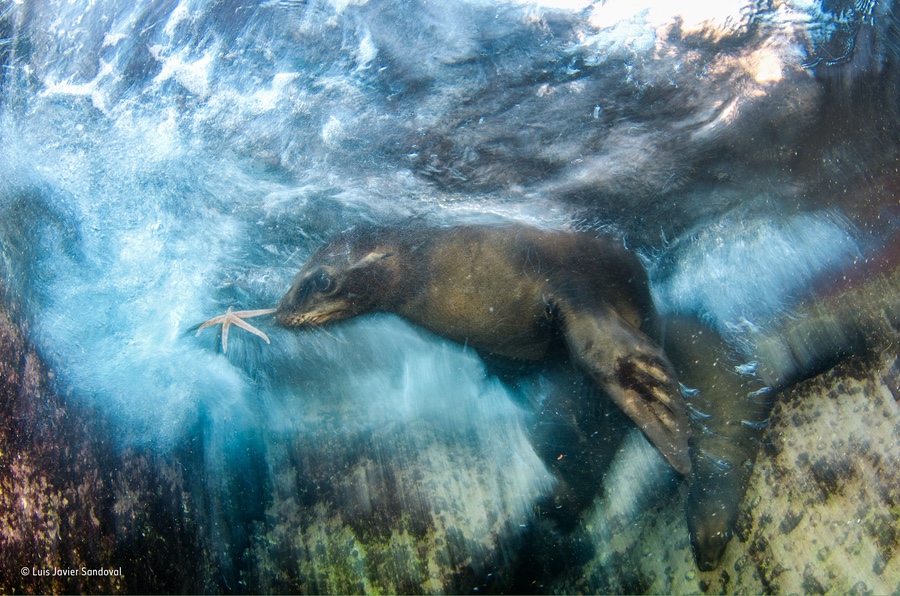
237,318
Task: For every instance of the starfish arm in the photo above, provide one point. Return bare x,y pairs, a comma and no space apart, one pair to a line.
248,327
213,321
225,325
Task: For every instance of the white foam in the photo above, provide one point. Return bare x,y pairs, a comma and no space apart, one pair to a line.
743,272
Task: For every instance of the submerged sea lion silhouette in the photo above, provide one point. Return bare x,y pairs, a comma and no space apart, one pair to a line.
513,291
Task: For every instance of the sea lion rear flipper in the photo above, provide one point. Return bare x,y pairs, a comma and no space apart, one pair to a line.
636,374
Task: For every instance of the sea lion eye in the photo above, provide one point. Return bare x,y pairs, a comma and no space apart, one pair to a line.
322,282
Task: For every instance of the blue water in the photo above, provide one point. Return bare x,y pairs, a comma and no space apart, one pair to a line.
165,160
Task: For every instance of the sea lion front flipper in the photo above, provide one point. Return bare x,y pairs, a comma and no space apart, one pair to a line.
635,373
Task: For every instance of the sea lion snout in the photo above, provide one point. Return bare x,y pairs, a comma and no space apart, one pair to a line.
340,281
313,299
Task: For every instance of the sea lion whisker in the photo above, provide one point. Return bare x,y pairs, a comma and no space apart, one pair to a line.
315,339
324,331
316,334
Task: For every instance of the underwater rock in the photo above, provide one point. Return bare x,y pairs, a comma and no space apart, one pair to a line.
75,515
829,452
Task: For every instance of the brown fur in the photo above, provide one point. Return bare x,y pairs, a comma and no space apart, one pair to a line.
513,291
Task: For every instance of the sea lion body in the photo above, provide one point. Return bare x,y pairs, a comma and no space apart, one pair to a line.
513,291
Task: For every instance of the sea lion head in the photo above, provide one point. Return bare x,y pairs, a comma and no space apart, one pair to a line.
356,273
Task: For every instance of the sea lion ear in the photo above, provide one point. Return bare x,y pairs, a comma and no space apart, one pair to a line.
372,257
635,373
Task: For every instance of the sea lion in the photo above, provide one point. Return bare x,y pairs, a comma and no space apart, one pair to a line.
512,291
